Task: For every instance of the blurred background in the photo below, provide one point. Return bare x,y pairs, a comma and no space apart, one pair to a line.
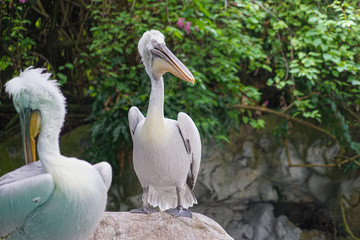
276,101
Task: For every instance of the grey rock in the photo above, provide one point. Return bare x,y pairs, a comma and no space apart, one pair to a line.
267,192
350,187
261,218
332,151
226,213
265,142
240,230
290,174
247,231
286,230
224,180
351,191
319,186
247,149
316,155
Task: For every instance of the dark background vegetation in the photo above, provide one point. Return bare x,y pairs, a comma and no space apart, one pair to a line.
294,58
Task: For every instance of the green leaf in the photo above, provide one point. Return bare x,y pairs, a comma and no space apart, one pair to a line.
224,138
202,9
317,42
70,66
313,19
327,56
38,23
62,78
355,82
280,25
245,119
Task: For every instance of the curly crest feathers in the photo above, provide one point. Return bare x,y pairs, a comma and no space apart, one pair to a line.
34,80
33,89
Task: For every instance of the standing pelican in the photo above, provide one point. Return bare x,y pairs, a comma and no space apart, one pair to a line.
57,197
166,153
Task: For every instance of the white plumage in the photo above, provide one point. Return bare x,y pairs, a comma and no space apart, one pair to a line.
166,153
57,197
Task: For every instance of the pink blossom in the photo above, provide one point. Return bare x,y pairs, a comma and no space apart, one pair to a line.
22,1
266,103
180,22
197,28
187,27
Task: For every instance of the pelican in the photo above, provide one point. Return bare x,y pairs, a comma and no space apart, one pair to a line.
166,153
57,197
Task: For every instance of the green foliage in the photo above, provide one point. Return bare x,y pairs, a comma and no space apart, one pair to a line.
320,53
307,51
15,44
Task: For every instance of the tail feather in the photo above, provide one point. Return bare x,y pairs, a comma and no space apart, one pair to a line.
166,197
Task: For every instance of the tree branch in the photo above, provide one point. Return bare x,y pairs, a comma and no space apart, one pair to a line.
286,116
44,58
284,57
41,9
350,111
271,14
347,228
71,43
292,104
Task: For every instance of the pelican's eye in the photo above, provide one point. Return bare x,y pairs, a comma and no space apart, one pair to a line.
154,42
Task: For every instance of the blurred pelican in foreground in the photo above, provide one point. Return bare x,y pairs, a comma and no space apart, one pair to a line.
166,153
57,197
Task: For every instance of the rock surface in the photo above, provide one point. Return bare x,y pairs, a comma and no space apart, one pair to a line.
157,226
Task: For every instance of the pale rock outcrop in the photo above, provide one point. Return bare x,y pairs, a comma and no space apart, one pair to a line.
157,226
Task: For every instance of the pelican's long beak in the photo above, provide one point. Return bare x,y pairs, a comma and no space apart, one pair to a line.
30,122
170,63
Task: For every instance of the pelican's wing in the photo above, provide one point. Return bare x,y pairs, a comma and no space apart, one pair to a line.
135,116
21,192
192,141
105,171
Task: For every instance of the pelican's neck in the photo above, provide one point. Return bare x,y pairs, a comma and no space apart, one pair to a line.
48,141
156,103
154,130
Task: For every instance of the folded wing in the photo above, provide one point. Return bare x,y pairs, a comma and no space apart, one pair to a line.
192,141
21,192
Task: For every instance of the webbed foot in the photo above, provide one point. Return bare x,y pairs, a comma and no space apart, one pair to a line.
179,212
144,210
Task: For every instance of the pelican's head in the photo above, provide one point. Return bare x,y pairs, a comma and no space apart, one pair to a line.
158,59
36,99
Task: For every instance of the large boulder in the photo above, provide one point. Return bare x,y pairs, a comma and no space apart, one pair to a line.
157,226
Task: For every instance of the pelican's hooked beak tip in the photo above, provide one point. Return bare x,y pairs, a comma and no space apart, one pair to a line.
173,64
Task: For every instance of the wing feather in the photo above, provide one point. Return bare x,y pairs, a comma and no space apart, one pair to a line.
21,192
192,141
105,171
135,116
